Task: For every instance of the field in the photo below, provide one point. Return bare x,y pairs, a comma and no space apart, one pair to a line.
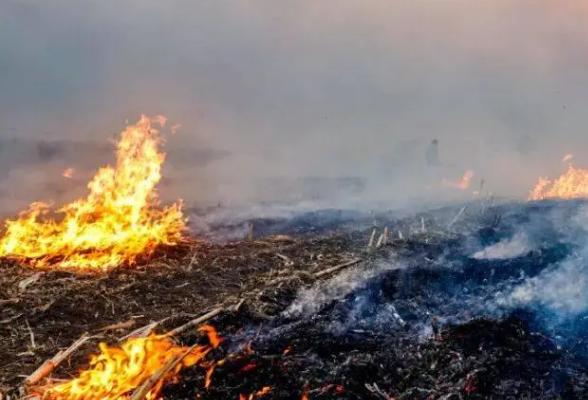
408,318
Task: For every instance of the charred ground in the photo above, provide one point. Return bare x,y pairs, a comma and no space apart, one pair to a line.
418,324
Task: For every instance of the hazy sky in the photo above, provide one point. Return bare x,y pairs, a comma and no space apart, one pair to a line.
309,87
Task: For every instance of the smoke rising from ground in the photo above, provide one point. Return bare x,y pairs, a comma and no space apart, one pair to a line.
534,261
505,249
311,300
562,289
283,91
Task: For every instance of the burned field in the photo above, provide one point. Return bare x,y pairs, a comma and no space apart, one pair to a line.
178,283
431,315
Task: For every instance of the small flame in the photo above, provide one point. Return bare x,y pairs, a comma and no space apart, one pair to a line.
305,392
215,340
115,223
116,372
572,184
68,173
265,390
462,184
208,378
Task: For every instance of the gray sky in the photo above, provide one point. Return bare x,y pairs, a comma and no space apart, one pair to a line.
304,87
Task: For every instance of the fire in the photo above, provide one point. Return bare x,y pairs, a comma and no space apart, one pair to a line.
463,183
208,378
305,394
262,392
116,372
572,184
68,173
115,223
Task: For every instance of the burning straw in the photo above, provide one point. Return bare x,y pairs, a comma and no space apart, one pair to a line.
137,369
118,220
572,184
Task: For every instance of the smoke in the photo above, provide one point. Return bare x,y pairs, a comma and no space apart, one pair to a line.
310,300
538,261
284,91
507,248
562,289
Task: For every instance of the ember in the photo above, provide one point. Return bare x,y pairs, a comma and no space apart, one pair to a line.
115,223
266,390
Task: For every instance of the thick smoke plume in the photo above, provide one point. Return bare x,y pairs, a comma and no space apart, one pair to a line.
271,94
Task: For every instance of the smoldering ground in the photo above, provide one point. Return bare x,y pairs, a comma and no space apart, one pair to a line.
532,261
507,299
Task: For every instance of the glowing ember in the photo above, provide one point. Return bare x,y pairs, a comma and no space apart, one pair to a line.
305,394
115,223
117,371
265,390
208,379
572,184
462,184
68,173
249,367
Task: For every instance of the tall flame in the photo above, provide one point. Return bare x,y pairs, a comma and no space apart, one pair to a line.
115,223
572,184
116,372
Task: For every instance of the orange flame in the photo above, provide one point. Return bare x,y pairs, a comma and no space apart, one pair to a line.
462,184
262,392
68,173
115,223
572,184
305,392
208,378
117,371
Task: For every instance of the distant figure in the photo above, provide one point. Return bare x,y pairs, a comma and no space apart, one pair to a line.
433,153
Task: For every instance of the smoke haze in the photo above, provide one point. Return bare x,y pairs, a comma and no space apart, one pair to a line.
271,92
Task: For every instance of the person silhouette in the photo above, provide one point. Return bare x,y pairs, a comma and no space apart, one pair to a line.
432,154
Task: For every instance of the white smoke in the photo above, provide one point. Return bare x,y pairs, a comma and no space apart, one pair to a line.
310,300
508,248
563,289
